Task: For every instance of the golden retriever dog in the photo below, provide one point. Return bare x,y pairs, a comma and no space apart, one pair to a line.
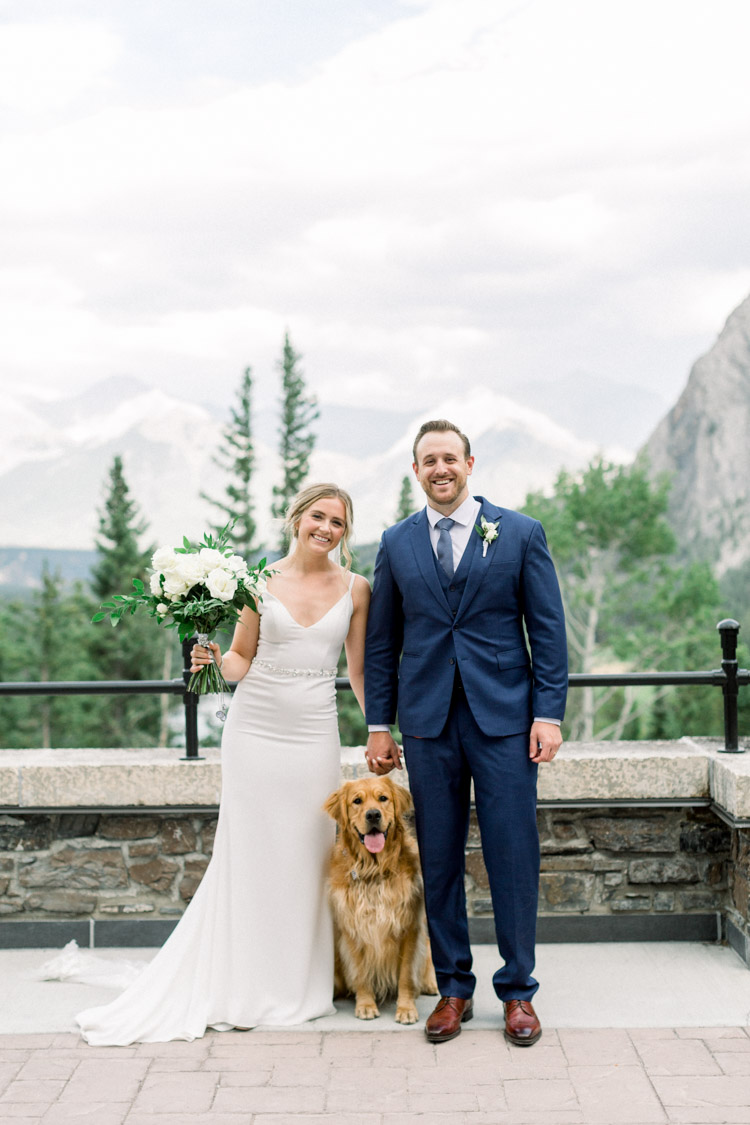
377,899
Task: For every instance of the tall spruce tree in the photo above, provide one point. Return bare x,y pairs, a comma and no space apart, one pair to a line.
134,651
405,500
297,440
237,459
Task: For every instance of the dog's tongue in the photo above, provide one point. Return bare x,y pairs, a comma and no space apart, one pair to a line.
375,842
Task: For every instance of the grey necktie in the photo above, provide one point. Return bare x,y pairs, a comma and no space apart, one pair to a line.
445,545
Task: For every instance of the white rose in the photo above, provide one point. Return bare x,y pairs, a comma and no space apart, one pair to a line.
164,560
237,565
221,584
210,558
191,570
174,586
257,586
155,585
162,609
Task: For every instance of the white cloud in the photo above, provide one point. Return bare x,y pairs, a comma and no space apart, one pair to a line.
46,66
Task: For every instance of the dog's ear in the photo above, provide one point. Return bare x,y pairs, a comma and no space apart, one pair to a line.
401,798
334,804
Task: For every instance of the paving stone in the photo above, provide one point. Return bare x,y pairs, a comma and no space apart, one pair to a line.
536,1094
615,1094
710,1033
174,1093
41,1066
733,1062
296,1072
179,1048
458,1118
11,1070
325,1119
427,1079
601,1046
246,1078
270,1099
45,1090
23,1111
678,1056
26,1042
707,1114
105,1080
192,1119
430,1104
640,1034
728,1090
347,1045
269,1051
92,1113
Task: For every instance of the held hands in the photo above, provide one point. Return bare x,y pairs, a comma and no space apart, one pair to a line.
200,656
544,741
382,753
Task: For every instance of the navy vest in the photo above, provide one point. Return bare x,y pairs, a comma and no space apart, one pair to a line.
453,588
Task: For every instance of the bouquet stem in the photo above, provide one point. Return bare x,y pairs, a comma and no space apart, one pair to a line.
209,680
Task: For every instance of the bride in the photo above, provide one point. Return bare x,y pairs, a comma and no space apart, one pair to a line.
255,945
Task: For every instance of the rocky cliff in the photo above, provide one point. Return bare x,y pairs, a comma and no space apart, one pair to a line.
703,444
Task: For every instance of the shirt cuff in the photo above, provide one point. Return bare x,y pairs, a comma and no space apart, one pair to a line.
377,727
555,722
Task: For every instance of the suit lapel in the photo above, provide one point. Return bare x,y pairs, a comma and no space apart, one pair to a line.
480,562
425,556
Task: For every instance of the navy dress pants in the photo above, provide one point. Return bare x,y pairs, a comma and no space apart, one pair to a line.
440,774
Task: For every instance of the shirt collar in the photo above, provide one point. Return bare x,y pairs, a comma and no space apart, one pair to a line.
464,514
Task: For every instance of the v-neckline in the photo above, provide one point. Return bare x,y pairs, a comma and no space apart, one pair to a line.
314,623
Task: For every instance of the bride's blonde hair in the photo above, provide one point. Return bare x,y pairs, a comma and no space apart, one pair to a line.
313,494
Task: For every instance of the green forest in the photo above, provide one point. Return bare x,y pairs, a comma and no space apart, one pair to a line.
632,603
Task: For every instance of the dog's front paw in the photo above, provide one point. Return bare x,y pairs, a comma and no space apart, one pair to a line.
366,1010
406,1013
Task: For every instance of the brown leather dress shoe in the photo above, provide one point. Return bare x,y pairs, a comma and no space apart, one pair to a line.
522,1025
445,1022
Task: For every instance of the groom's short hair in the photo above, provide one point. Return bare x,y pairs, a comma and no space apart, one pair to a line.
439,425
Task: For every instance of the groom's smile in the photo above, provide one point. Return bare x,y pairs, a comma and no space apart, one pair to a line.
442,469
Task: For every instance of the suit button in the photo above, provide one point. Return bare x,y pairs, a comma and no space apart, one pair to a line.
451,661
454,612
451,587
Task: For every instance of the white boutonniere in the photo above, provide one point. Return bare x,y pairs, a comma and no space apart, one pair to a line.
487,533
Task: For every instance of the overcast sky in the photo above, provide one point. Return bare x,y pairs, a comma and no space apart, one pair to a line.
419,190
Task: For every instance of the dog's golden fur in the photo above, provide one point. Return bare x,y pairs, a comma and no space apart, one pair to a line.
382,948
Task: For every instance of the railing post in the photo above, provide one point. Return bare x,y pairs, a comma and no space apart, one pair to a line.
190,703
729,630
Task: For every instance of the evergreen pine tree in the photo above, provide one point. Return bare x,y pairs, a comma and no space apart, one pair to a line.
237,459
405,500
297,440
134,651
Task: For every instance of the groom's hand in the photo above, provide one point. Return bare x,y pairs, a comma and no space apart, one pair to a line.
544,741
382,753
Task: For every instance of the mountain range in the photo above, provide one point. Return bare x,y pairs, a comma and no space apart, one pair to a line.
55,457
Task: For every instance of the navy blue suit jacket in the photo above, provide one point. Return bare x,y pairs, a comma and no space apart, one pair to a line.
414,642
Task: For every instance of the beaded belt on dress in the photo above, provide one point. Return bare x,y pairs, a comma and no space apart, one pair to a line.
269,667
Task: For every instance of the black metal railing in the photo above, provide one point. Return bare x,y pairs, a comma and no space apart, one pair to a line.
730,677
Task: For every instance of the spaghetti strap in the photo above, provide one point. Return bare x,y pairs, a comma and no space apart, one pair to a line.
352,576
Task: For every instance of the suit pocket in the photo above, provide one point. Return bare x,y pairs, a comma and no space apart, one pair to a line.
512,658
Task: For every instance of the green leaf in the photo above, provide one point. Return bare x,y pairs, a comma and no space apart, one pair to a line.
138,585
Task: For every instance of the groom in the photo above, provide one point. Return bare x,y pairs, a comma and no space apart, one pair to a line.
454,587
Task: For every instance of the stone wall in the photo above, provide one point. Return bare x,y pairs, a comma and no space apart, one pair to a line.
621,861
606,861
101,866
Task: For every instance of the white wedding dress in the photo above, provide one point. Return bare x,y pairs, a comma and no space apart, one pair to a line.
255,945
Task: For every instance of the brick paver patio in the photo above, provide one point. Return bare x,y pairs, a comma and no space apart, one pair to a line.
591,1077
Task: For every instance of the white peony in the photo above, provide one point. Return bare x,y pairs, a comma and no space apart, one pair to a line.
164,560
221,584
155,584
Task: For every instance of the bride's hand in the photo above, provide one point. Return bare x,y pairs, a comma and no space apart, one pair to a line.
200,656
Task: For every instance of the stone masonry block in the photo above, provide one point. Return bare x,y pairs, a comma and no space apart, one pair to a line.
155,873
25,833
475,867
631,904
128,827
633,834
677,869
61,902
78,868
195,869
566,892
705,838
178,836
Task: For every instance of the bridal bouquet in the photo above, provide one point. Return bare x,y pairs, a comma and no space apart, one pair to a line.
195,589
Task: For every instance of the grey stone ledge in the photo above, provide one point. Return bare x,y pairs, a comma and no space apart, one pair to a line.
686,770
